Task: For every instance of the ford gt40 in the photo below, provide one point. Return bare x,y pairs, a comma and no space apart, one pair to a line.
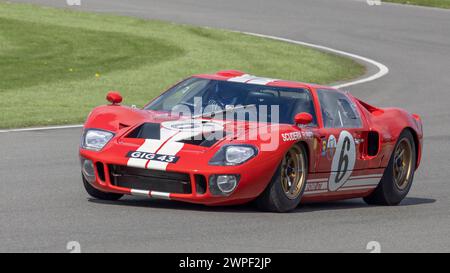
231,138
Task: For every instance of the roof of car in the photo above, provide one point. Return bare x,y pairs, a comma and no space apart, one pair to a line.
239,76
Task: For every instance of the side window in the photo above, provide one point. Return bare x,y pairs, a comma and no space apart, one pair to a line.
338,111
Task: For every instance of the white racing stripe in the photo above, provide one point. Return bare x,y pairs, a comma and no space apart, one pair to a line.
150,146
367,176
243,78
153,194
358,182
262,81
140,193
314,192
361,182
170,148
357,188
250,79
317,180
341,189
160,195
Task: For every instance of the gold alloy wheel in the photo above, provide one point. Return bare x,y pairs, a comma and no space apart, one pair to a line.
293,172
403,164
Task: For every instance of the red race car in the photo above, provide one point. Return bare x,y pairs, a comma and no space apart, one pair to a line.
230,138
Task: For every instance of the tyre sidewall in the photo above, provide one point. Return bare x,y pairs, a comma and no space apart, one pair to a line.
93,192
393,194
277,195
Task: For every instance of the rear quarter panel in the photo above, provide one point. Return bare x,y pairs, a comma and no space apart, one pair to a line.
390,123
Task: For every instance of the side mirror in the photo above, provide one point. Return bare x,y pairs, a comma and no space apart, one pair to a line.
303,118
114,97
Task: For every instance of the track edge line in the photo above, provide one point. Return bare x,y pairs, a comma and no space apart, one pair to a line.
382,71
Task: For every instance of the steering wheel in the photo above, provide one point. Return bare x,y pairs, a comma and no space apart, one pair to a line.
180,107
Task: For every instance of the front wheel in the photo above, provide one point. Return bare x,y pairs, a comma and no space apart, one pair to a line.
398,175
93,192
286,188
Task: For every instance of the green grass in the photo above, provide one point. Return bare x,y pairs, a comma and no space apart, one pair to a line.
429,3
57,64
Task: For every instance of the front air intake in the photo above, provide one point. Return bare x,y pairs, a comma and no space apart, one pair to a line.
150,180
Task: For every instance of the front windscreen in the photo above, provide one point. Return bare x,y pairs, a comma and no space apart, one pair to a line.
242,101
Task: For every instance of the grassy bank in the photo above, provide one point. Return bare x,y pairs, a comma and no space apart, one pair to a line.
56,65
428,3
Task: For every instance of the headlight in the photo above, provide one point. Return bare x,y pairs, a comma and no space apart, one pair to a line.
232,155
94,139
87,169
223,184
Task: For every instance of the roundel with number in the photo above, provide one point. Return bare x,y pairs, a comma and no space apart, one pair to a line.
343,161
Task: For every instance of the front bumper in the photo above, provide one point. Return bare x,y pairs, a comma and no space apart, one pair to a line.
180,182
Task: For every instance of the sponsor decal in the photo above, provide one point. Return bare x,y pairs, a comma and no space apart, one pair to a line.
297,135
152,156
324,147
291,136
320,186
331,147
343,161
307,134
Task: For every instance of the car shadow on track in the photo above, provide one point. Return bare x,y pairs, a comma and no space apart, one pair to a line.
250,207
358,203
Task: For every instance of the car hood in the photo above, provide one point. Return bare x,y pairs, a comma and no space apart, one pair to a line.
130,124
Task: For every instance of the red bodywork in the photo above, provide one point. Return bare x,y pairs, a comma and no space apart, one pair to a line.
388,123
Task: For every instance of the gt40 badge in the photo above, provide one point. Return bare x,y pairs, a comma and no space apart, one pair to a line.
343,161
152,156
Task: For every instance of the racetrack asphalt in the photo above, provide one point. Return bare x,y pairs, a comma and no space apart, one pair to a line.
43,205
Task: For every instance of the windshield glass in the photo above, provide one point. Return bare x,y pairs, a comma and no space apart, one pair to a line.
240,101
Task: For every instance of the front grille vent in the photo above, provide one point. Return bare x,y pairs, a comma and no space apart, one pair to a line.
151,180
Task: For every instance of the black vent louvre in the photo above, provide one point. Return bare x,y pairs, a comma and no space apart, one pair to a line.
373,141
205,140
200,142
147,131
200,183
100,171
151,180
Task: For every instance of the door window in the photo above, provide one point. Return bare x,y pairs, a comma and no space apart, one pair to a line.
338,111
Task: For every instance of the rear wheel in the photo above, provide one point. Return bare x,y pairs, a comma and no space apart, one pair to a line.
398,176
100,194
286,188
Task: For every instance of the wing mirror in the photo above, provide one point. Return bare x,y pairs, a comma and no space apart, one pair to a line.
114,97
303,118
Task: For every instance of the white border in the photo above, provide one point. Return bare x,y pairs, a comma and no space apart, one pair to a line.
382,69
41,128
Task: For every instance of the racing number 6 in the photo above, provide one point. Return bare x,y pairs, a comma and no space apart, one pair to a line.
343,161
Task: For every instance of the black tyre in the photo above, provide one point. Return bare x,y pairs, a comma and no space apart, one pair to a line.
286,188
100,194
398,175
